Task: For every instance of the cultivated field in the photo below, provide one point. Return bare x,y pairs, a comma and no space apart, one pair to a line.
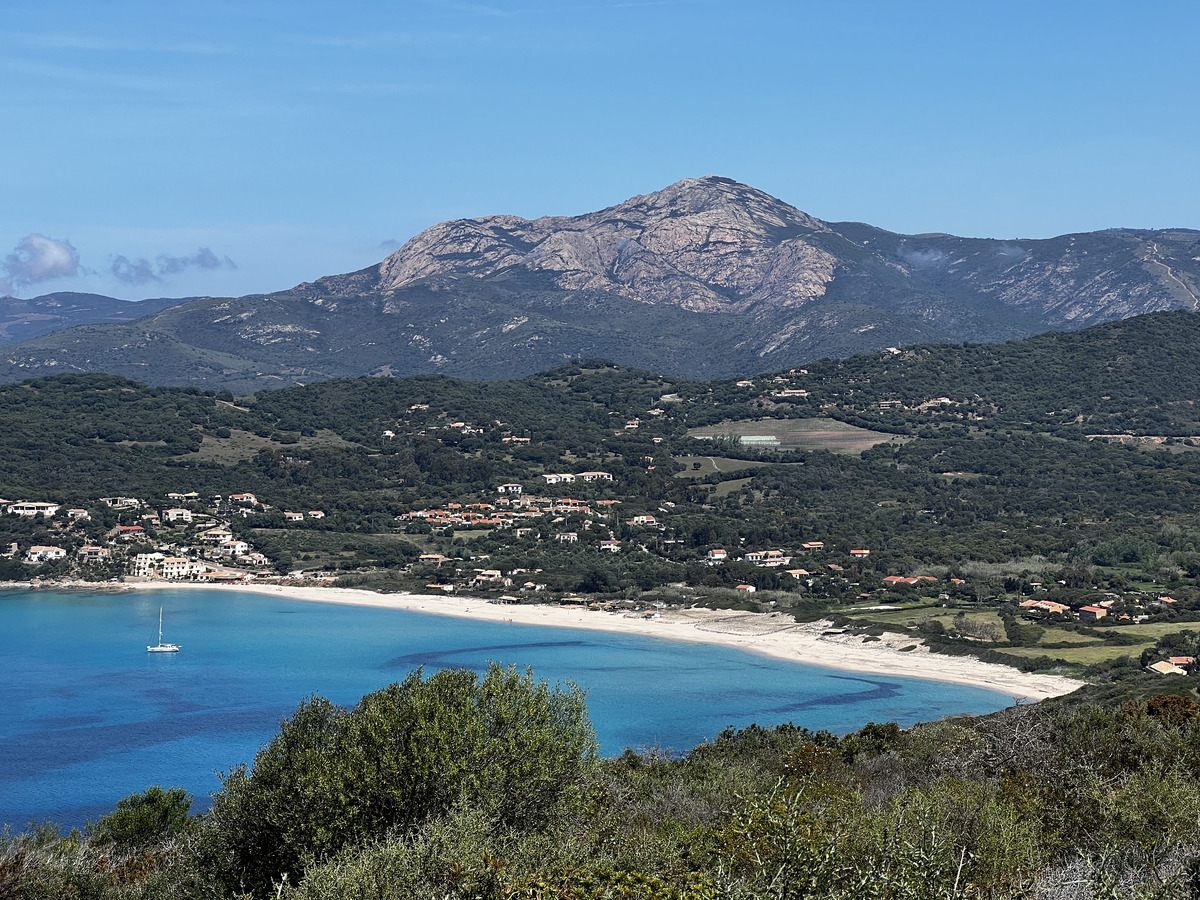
798,434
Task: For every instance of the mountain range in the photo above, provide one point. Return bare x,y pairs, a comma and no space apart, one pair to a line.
705,278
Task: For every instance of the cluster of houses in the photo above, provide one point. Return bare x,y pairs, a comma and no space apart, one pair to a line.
513,508
1100,610
213,548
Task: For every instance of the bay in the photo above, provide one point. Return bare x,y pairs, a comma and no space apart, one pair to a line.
88,716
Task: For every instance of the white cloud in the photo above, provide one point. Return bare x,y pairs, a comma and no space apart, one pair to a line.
38,258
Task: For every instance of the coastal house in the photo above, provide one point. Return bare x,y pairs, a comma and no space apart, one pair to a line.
316,514
121,502
566,537
233,548
146,564
90,553
716,555
511,488
30,508
812,546
642,520
767,558
1046,606
78,515
595,476
1164,668
179,567
860,554
177,515
247,499
1092,613
128,532
40,554
294,516
612,546
747,588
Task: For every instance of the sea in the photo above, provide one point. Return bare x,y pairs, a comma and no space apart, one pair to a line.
87,716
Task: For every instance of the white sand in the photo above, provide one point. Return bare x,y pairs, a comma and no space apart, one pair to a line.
772,634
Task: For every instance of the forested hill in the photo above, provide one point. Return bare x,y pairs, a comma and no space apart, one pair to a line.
1140,375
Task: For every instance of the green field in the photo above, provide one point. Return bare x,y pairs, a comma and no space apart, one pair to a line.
797,434
243,445
702,466
1084,656
725,488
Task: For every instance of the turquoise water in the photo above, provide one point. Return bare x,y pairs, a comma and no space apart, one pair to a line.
88,716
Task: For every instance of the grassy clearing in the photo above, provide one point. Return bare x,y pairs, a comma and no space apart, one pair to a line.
799,434
702,466
1152,632
1085,656
243,445
471,534
1058,636
725,488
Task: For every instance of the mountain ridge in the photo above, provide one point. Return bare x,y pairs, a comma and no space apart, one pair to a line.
705,278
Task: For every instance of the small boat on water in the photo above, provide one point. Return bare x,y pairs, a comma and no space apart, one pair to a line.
160,647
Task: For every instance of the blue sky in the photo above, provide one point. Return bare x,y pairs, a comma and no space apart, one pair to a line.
162,149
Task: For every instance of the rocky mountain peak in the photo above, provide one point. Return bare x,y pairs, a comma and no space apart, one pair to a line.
706,244
723,200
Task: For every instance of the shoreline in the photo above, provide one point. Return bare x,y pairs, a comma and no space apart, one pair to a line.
770,634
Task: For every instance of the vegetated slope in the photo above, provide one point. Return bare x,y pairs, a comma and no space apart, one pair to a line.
21,320
706,278
1001,470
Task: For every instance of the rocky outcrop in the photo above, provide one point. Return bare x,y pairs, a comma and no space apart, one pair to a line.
703,244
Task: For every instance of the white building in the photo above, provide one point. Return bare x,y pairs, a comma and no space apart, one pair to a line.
34,508
39,554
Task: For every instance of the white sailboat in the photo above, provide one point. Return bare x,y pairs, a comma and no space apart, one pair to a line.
160,647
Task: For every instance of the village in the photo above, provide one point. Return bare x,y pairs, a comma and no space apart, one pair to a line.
189,538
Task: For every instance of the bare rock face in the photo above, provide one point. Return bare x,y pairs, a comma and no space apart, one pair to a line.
702,244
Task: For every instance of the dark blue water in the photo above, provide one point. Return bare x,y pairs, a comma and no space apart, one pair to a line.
87,716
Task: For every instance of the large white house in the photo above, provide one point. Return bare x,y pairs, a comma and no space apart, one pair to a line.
34,508
39,554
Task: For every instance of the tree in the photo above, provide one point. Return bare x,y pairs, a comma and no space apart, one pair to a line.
504,744
143,820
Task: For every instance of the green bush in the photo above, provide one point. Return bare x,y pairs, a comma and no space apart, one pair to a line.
504,744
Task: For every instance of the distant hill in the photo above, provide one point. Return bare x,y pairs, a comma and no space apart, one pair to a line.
706,278
21,320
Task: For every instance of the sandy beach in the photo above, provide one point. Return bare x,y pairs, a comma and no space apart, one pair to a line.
772,634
